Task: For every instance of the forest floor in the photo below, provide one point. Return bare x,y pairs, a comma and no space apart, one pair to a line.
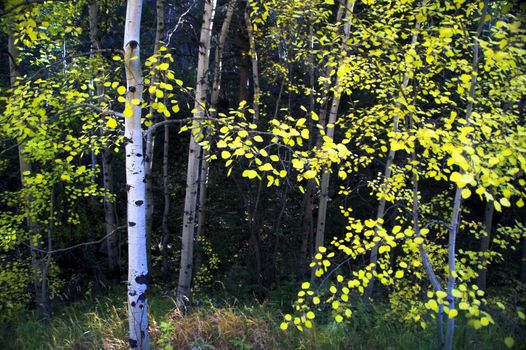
101,323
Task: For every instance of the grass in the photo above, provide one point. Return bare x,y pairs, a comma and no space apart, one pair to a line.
101,324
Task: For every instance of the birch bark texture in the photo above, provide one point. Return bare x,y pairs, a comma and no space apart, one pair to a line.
254,60
192,176
137,258
333,115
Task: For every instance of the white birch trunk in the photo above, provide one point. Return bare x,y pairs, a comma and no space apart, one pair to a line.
192,177
457,203
333,114
216,88
137,258
254,59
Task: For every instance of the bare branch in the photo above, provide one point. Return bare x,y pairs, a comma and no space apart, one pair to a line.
62,250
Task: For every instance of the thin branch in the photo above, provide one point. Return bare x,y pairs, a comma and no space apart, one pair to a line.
61,250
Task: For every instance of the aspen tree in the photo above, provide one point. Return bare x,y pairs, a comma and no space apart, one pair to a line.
333,115
192,179
138,276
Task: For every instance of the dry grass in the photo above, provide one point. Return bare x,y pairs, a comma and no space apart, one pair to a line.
216,328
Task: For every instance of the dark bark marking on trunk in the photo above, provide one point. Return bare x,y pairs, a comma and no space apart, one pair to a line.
143,279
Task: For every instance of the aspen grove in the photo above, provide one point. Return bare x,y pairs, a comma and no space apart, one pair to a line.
278,174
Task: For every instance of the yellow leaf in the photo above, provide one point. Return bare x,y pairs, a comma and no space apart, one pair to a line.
136,101
128,112
121,90
466,193
309,174
111,123
452,313
305,133
399,274
520,203
164,66
250,174
505,202
266,167
283,326
258,138
225,154
310,315
175,108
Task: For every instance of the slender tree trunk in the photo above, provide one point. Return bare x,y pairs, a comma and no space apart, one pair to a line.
452,264
308,198
216,88
455,217
138,276
110,211
254,59
166,211
387,177
185,272
243,72
218,64
325,178
484,244
255,241
150,137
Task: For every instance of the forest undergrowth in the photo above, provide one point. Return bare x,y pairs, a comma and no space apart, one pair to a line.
101,323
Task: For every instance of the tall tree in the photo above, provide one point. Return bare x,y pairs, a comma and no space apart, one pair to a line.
333,115
138,276
194,150
253,59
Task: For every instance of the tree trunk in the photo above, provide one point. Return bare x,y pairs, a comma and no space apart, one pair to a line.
255,241
387,177
243,75
150,137
484,244
216,88
138,276
254,60
455,217
189,216
166,210
218,64
110,211
325,178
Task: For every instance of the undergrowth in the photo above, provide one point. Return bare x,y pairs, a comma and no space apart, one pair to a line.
101,323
